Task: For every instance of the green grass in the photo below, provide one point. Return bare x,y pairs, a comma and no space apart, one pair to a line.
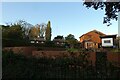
115,50
72,50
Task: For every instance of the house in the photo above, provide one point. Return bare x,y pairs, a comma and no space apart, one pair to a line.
91,39
37,40
108,40
59,40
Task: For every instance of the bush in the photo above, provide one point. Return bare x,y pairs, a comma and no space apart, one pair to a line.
49,44
14,42
72,50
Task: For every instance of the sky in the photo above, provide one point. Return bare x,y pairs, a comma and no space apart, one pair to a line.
66,17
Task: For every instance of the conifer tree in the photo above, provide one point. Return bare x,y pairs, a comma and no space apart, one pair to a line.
48,32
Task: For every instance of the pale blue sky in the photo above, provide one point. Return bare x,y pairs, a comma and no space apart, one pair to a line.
65,17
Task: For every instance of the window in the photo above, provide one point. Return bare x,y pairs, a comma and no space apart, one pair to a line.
32,42
107,41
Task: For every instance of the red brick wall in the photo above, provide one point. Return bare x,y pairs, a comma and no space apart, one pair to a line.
114,58
92,57
50,54
21,50
111,57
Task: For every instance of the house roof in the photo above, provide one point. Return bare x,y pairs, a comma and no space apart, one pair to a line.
95,31
58,40
108,36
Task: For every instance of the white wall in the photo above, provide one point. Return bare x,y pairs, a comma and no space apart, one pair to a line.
107,44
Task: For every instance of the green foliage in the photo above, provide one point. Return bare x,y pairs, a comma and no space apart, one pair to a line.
14,42
115,50
12,32
25,28
72,50
111,9
49,44
59,37
48,32
70,39
15,34
12,35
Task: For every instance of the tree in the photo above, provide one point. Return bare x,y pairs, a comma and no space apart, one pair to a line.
25,28
16,32
37,31
59,40
12,35
42,29
34,32
4,30
48,32
59,37
111,9
13,31
70,39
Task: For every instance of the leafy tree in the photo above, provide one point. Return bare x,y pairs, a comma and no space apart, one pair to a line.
34,32
13,31
4,31
48,32
111,9
59,37
13,35
25,28
42,29
70,39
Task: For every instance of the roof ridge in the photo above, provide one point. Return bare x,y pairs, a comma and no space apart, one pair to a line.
96,31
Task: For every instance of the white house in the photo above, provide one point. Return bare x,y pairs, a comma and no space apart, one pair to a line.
108,40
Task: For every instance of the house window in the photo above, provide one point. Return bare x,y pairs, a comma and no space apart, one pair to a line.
107,41
32,41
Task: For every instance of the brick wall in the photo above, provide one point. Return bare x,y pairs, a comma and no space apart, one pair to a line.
111,57
52,54
21,50
114,58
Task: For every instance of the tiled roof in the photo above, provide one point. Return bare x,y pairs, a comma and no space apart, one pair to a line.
95,31
108,36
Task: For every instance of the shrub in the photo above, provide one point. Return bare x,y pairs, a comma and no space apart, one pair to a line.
14,42
72,50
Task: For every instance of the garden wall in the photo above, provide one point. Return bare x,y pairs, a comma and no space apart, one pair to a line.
50,54
92,58
21,50
29,50
50,49
111,56
114,58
